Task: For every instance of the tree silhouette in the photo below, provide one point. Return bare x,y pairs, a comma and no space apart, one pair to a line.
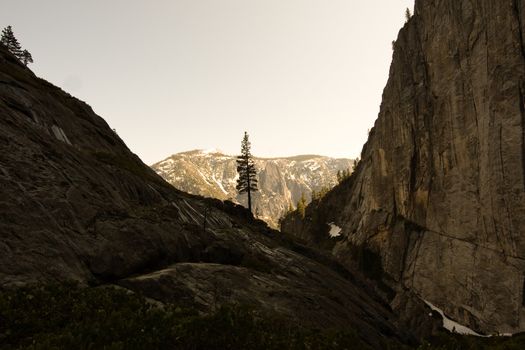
26,58
343,174
9,40
408,14
247,181
356,162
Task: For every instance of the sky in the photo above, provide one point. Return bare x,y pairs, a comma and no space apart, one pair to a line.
300,76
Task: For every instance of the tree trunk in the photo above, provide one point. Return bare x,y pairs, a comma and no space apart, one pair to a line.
249,186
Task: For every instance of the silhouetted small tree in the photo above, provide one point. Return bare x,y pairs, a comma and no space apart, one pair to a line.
247,181
9,40
26,58
408,14
356,161
343,175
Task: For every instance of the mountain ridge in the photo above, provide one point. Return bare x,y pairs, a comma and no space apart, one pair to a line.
282,181
220,152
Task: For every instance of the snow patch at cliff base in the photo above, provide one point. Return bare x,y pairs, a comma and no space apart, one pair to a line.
453,326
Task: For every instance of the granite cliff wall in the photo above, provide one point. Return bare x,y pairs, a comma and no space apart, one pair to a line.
439,196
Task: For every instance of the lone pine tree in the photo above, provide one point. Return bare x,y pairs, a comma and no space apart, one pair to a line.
247,181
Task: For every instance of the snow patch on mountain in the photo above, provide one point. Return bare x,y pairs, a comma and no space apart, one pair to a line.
281,181
212,151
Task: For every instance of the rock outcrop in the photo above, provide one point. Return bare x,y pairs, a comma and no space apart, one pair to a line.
439,196
282,181
76,204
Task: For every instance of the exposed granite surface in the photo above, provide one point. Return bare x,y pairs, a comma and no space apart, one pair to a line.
439,196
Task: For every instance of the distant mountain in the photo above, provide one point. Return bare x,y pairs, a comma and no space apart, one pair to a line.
212,173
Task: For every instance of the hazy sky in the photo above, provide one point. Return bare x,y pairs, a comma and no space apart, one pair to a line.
301,76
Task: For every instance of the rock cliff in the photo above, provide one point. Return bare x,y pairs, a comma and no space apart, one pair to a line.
282,181
76,204
438,199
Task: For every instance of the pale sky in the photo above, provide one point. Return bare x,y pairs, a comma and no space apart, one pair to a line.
301,76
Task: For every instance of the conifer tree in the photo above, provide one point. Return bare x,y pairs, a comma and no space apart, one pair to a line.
343,174
26,58
354,166
247,181
408,14
10,42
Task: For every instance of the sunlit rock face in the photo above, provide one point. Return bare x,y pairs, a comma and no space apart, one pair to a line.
281,181
439,195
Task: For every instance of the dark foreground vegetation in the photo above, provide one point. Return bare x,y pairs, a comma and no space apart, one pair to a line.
69,317
447,341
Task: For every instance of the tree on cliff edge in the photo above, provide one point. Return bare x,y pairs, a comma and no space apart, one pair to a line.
9,40
408,14
247,181
26,58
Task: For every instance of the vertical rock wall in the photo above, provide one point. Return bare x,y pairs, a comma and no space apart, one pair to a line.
439,194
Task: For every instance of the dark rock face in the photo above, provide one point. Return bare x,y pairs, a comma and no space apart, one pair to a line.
76,204
439,195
